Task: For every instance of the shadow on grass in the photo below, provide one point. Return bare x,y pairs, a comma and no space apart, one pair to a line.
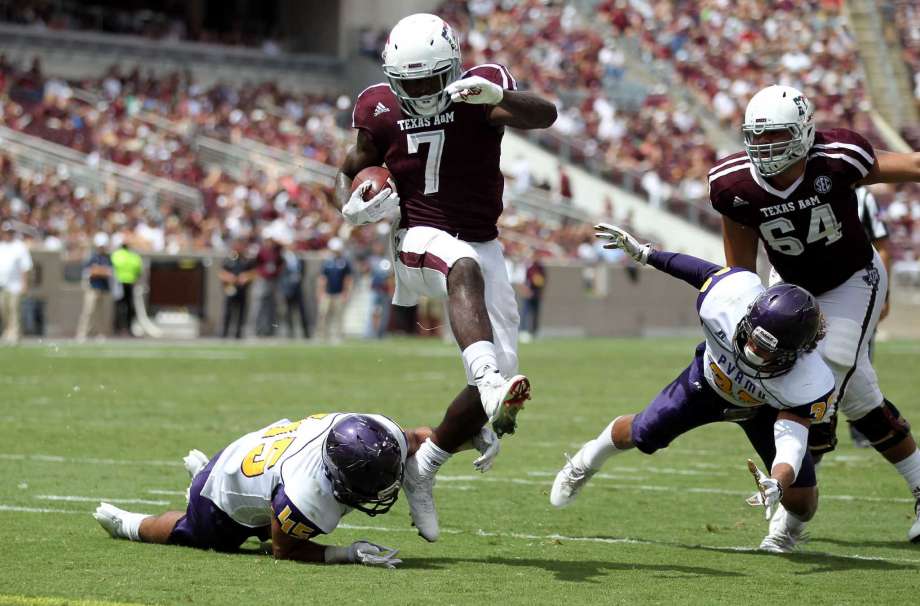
823,562
580,571
900,545
574,570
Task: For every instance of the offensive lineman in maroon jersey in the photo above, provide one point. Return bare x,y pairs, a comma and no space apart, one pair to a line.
794,188
440,138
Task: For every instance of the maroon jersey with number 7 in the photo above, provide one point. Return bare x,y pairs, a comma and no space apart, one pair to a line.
811,230
446,167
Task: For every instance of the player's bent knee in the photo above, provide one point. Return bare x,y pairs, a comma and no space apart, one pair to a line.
822,438
883,426
465,270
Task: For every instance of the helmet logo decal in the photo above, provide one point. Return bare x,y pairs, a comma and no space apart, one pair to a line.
823,184
445,33
801,104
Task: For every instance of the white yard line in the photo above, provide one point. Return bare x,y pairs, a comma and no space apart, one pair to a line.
45,458
518,535
498,479
17,508
80,499
615,541
147,354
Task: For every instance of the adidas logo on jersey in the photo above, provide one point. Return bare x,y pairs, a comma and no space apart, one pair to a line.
380,109
739,202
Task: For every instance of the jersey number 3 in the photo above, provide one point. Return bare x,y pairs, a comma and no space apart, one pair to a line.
823,226
435,141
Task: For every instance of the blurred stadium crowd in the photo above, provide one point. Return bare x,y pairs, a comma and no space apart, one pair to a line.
658,144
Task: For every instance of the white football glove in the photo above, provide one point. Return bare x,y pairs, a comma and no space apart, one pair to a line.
488,445
372,554
476,90
617,237
359,211
769,492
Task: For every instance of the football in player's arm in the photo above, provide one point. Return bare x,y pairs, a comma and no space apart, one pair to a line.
290,482
794,188
757,367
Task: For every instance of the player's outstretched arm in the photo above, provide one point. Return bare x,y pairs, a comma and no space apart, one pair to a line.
524,110
285,547
892,167
688,268
363,154
513,108
790,433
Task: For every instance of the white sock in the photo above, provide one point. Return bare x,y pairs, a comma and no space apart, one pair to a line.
794,524
478,357
596,452
131,524
909,468
430,457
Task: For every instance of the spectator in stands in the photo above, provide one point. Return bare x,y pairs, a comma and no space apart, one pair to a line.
293,272
97,276
334,289
15,265
381,277
268,267
565,187
127,267
236,273
534,285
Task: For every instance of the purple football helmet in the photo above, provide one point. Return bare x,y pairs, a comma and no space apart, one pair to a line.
782,322
364,462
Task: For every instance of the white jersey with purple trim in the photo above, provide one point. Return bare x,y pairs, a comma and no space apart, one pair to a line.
723,301
288,454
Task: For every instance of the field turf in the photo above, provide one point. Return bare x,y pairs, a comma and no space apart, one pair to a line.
79,424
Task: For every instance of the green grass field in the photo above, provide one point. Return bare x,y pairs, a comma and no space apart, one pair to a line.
112,421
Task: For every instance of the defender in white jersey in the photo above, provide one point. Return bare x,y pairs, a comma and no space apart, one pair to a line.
757,367
289,481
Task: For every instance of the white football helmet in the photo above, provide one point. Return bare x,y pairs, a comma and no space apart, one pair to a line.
778,108
423,54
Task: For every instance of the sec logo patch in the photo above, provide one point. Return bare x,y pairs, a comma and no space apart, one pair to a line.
823,184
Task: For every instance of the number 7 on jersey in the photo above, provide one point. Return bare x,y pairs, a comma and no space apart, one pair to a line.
435,140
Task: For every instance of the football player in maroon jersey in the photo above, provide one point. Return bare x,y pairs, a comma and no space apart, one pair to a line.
794,188
439,133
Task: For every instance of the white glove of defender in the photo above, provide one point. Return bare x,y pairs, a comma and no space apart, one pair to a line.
617,237
359,211
372,554
769,492
488,445
476,90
